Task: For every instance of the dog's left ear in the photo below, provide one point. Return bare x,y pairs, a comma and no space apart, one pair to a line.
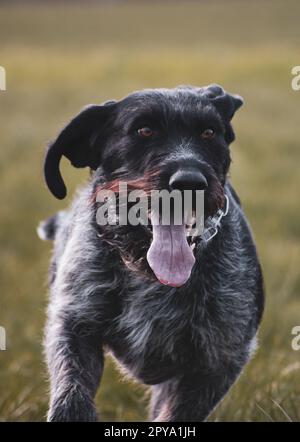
79,142
226,104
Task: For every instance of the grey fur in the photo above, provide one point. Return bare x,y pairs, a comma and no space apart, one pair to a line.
189,343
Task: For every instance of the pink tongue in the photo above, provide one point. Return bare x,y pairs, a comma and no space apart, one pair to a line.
170,256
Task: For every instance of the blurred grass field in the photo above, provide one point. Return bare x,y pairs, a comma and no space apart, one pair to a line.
60,58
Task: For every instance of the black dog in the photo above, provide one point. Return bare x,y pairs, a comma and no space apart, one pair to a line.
191,342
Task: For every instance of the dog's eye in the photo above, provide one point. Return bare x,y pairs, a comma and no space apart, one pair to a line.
146,132
208,133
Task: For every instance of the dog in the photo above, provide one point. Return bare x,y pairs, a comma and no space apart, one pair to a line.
188,338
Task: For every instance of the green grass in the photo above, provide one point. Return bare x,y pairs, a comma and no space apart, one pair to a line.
59,59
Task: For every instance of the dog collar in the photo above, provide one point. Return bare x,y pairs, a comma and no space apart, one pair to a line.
213,222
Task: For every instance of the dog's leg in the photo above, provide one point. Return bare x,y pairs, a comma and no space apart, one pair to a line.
75,362
160,395
191,397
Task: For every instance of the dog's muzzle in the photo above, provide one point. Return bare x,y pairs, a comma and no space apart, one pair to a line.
170,256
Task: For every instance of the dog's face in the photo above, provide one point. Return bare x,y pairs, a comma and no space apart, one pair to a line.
179,136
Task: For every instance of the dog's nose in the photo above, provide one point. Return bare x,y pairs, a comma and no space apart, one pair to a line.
188,180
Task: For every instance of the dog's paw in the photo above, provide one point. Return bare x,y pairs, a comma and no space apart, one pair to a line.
73,407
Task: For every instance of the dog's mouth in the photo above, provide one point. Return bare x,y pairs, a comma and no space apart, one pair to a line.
159,250
170,255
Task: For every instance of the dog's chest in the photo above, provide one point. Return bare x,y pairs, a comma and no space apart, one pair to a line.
160,332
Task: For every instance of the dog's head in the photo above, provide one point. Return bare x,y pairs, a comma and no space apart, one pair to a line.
164,138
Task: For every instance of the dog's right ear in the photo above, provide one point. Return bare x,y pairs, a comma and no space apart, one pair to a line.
80,142
226,104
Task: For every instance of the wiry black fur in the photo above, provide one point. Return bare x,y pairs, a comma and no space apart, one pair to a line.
189,343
